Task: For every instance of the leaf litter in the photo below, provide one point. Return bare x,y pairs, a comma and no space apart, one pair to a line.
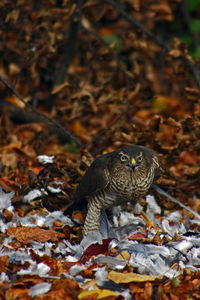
144,262
141,97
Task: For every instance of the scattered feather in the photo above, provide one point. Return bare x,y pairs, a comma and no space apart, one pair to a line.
45,159
152,205
112,262
40,269
74,270
39,289
4,277
54,190
32,195
5,199
104,226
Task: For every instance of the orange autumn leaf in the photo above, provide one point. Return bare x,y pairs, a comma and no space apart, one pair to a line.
15,101
77,128
106,30
17,293
79,216
26,234
36,170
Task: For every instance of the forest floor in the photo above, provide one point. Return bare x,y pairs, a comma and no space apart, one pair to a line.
119,88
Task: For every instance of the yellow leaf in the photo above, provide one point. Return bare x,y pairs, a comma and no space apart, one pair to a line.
101,294
124,255
87,293
107,293
129,277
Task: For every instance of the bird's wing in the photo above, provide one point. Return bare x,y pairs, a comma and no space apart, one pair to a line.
95,178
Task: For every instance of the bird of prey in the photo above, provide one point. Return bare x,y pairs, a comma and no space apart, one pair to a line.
124,175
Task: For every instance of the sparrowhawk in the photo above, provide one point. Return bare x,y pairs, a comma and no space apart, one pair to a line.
124,175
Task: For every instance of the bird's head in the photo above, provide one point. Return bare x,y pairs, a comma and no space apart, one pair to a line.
136,159
131,161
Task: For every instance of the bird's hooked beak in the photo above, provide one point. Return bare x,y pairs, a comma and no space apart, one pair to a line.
133,164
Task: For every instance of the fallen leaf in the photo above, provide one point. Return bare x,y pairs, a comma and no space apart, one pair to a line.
101,294
124,255
107,293
175,53
27,234
57,88
95,249
77,127
129,277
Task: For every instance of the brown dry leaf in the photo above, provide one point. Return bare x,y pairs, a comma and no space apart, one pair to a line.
57,88
191,170
135,288
79,216
9,159
196,206
14,69
20,289
129,277
166,181
175,53
26,234
70,286
12,16
17,293
166,137
148,289
8,215
77,128
157,239
190,157
15,101
4,261
163,11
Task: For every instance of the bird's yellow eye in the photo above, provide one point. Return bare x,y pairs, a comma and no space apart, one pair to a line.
139,159
123,157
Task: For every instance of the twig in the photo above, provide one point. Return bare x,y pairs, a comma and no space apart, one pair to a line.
154,38
162,192
45,117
